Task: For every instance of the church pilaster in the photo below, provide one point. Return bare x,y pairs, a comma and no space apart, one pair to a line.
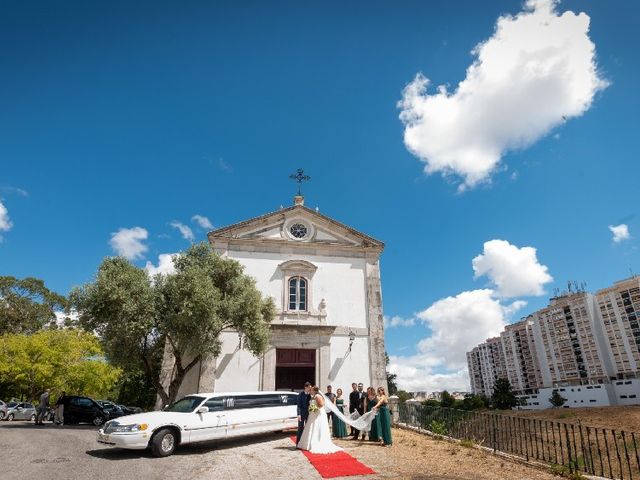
376,325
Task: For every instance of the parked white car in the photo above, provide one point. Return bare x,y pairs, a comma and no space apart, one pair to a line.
201,417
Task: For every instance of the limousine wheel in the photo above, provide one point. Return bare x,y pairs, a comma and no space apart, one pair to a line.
163,443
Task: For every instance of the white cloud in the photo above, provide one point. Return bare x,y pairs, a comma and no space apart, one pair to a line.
5,221
457,325
620,232
165,265
62,318
514,271
417,374
185,231
128,242
203,221
397,321
536,71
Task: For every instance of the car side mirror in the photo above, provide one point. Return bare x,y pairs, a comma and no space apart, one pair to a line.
203,410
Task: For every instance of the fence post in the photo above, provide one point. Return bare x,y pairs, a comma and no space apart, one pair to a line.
394,404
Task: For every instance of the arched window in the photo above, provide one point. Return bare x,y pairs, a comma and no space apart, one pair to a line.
297,293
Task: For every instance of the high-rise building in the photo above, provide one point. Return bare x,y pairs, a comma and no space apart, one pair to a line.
521,358
585,346
567,336
486,364
619,309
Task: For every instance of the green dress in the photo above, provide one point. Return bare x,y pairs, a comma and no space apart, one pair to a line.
374,434
385,423
339,428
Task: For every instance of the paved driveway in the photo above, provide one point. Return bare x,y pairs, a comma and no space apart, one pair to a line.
71,453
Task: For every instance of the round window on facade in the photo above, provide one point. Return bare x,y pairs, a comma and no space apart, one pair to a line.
298,230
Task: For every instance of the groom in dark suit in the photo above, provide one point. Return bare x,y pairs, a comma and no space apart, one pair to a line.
303,409
356,402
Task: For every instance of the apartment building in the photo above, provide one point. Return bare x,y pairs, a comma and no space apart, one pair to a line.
619,309
583,345
486,364
521,357
569,340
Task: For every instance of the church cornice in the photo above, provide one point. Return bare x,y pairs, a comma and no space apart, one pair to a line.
230,232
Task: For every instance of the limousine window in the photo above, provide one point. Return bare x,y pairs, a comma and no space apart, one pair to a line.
261,401
214,404
185,405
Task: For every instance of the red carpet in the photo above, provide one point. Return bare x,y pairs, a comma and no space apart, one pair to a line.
339,464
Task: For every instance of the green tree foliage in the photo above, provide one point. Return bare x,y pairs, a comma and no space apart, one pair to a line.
182,313
503,397
63,360
447,400
556,399
391,377
474,402
431,403
27,305
403,396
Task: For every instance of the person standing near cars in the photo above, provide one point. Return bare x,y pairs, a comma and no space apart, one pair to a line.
43,408
59,416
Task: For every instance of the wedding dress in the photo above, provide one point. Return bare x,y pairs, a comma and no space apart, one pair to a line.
316,436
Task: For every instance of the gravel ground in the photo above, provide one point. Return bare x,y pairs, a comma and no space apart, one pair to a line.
71,453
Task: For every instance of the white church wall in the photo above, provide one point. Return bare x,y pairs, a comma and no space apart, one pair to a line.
348,367
236,370
339,280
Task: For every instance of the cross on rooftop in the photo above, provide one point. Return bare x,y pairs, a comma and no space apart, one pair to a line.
300,177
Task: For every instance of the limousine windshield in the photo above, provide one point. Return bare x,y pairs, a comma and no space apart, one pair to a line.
185,405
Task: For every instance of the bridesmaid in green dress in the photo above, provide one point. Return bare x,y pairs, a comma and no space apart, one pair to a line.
339,428
384,417
374,434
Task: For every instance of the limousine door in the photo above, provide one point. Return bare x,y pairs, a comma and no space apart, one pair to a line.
259,413
211,425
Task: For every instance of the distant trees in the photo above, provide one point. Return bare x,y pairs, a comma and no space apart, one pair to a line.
447,400
63,360
503,397
556,400
26,305
474,402
137,317
403,396
391,377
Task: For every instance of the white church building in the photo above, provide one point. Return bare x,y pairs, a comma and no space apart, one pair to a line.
324,278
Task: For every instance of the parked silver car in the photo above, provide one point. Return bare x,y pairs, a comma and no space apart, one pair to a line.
21,411
3,410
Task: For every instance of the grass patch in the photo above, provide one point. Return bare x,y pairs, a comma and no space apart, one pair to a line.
467,443
564,472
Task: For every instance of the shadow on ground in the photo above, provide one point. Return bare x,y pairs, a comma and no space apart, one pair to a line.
48,426
200,448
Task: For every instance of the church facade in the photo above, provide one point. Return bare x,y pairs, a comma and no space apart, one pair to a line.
324,278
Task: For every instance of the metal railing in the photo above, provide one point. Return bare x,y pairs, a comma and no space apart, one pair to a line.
574,447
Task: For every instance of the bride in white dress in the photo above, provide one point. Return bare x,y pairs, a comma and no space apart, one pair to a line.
316,436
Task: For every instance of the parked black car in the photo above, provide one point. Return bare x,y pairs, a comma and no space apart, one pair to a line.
128,410
83,409
112,409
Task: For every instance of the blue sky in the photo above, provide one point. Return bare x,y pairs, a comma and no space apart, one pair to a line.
140,114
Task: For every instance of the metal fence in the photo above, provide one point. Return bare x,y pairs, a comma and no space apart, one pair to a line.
574,447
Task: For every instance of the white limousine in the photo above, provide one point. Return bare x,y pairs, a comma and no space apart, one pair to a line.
201,417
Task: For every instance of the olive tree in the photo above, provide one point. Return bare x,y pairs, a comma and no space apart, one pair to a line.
182,313
26,305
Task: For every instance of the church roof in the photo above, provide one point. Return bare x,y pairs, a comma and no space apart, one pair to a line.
233,230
